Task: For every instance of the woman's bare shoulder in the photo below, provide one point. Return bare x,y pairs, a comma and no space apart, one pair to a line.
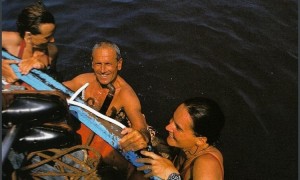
10,38
210,161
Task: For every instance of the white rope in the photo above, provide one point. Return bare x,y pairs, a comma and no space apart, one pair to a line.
78,91
71,101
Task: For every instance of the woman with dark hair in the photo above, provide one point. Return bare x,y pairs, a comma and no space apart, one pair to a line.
33,43
194,129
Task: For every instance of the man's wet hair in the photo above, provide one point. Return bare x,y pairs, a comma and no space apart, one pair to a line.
31,17
109,44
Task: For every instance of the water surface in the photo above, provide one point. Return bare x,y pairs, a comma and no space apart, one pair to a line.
241,53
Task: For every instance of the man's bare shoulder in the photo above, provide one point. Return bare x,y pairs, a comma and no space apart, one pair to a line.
126,91
125,87
86,77
75,83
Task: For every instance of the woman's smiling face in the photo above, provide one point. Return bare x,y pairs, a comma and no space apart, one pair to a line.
180,130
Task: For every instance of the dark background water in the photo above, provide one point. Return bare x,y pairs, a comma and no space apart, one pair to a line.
241,53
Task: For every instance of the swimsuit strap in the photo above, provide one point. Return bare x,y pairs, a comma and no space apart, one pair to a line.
108,99
213,155
22,47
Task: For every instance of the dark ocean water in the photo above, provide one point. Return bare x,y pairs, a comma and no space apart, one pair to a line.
243,54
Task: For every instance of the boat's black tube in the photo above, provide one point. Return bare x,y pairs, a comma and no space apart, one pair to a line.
34,109
44,137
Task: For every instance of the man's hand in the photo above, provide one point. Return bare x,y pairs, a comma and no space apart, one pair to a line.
132,140
37,61
7,71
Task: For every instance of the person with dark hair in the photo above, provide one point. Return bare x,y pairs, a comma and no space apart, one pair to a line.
111,95
33,43
195,130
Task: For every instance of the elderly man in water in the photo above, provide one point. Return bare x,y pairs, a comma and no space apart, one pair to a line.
110,94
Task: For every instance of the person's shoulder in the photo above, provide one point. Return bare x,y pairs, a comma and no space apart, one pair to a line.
11,35
125,87
213,157
208,165
86,76
79,81
123,82
11,38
